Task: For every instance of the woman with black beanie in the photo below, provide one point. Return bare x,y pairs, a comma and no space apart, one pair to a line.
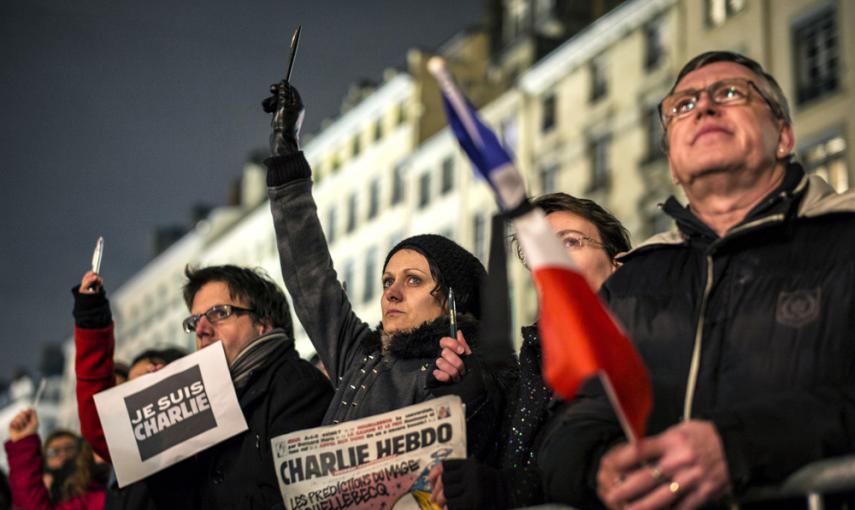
407,358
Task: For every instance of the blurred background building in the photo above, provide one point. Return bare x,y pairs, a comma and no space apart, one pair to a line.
571,87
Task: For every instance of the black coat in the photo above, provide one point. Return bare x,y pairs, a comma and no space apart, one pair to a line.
284,395
368,381
767,312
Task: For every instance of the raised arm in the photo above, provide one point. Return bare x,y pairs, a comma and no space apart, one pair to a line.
93,363
26,466
318,298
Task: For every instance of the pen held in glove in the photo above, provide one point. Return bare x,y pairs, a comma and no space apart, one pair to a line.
295,41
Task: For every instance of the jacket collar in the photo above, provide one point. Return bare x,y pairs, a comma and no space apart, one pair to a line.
781,201
799,195
423,341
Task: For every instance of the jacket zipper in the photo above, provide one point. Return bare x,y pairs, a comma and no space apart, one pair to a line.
696,351
694,367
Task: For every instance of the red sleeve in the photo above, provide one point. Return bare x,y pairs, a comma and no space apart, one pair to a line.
25,473
93,365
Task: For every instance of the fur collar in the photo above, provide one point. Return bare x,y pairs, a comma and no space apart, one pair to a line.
423,341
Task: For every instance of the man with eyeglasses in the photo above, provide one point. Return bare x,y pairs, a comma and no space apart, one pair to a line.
744,314
278,392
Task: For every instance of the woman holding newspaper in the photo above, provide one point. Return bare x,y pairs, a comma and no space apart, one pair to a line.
410,357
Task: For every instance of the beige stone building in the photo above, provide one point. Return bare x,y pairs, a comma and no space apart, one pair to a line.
589,123
574,100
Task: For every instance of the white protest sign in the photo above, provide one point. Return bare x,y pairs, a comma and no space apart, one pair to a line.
377,462
159,419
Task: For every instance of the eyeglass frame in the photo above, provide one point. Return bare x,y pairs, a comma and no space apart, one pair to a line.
584,240
587,240
196,317
773,105
54,451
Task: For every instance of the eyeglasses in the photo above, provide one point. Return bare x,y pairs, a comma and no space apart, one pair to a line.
730,92
577,240
56,451
570,240
214,314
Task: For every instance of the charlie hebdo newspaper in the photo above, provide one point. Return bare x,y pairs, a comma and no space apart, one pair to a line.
379,462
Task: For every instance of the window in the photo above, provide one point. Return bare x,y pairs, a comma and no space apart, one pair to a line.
653,135
373,198
351,213
654,44
718,11
396,237
479,237
828,160
347,277
817,56
543,11
370,280
424,190
331,217
599,82
402,113
398,183
549,178
378,130
447,182
549,110
516,12
357,146
510,133
599,154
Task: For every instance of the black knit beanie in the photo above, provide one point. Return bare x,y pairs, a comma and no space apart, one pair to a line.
457,268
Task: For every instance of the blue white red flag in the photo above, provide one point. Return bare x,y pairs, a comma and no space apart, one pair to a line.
478,141
578,336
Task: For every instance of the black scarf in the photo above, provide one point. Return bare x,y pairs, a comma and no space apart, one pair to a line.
422,341
256,356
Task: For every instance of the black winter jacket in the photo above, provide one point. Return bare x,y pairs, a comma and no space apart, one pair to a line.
753,331
283,395
367,380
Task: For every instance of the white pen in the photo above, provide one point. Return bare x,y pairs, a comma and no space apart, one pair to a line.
39,392
97,254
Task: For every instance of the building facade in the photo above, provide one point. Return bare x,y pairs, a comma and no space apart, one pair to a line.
582,119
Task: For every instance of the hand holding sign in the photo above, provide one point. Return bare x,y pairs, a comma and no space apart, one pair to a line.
161,418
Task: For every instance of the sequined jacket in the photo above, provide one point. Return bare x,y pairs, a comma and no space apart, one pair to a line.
525,417
367,380
751,331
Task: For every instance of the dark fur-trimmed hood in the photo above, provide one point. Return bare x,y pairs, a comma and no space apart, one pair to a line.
422,342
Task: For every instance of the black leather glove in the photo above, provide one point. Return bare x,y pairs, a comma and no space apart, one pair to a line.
288,112
469,484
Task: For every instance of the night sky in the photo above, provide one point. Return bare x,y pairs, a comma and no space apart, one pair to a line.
119,116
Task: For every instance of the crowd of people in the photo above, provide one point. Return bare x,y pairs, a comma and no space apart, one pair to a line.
742,316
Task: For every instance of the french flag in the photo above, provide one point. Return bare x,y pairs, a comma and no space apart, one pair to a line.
579,338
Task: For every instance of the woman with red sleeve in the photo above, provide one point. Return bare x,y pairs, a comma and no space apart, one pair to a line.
64,481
